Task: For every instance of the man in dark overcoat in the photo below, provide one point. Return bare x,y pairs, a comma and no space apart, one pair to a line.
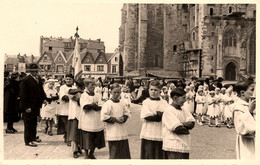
32,96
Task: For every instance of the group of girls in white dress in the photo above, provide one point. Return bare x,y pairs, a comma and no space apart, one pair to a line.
215,105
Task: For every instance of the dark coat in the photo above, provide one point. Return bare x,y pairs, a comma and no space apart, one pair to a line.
211,87
32,95
11,101
144,95
131,86
219,85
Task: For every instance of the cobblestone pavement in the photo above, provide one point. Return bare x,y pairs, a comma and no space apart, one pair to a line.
207,143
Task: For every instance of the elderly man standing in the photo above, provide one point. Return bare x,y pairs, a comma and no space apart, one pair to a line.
32,96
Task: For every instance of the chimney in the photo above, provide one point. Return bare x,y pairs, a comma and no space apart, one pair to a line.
32,57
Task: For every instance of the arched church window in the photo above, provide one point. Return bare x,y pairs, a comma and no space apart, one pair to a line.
230,42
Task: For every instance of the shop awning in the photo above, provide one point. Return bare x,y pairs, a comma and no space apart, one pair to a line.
164,73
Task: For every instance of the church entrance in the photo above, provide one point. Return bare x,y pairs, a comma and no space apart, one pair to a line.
230,72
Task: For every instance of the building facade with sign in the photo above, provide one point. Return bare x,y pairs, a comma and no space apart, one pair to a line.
18,62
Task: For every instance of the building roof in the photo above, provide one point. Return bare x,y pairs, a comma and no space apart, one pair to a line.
54,43
67,54
11,60
109,56
96,45
101,54
94,55
48,54
59,41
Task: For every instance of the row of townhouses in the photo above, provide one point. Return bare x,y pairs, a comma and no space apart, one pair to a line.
57,54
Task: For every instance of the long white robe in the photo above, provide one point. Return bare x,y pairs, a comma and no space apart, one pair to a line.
244,125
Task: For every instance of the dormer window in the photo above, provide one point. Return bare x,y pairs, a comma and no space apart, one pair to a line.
230,9
45,58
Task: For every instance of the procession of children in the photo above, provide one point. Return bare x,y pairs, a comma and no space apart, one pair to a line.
88,115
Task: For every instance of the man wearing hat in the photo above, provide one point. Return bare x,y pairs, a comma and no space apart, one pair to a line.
32,96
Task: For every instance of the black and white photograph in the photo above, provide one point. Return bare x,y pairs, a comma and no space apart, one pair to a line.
94,82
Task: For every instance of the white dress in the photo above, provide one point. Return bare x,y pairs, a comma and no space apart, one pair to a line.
98,92
192,104
218,99
189,103
221,104
228,106
152,130
244,124
105,94
206,94
212,107
48,111
115,131
200,107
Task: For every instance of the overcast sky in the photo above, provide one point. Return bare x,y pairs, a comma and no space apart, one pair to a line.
23,22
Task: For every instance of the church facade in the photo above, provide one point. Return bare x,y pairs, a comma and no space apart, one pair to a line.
185,40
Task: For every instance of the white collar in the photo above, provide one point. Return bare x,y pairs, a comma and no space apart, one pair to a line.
242,102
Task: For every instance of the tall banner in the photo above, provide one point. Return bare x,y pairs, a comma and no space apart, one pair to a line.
21,67
76,61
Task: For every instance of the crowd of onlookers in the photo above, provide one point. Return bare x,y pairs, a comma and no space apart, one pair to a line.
79,108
